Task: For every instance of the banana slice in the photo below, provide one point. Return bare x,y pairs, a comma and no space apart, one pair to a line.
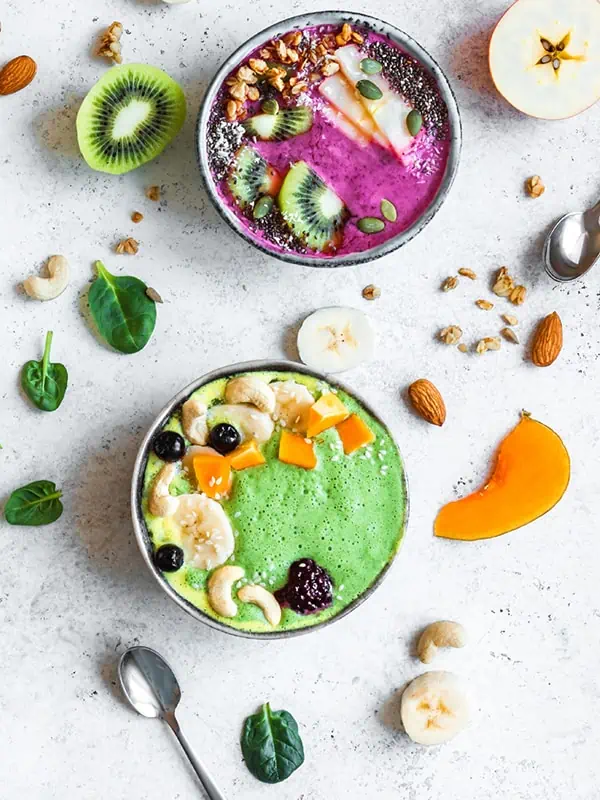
292,404
252,423
205,530
336,339
187,462
252,390
434,708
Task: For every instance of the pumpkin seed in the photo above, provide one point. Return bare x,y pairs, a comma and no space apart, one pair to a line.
388,209
369,90
370,67
270,106
263,207
370,225
414,122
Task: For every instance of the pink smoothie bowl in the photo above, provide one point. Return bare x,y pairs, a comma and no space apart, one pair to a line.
381,245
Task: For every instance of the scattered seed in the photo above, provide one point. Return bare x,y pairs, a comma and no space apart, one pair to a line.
153,295
371,292
369,90
484,305
510,335
370,225
263,207
510,319
467,273
370,67
414,122
388,209
137,217
449,284
270,106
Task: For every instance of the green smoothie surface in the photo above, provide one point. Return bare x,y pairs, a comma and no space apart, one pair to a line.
348,514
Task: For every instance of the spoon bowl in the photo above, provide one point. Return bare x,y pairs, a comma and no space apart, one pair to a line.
573,245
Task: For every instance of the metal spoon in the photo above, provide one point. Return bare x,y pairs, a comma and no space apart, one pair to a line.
152,689
573,245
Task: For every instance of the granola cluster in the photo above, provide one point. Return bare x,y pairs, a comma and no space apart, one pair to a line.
110,43
288,65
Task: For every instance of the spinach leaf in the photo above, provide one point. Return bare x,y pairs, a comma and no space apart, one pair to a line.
38,503
44,383
271,745
124,314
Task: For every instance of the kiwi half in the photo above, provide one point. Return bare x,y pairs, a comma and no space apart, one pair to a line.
313,211
251,176
129,117
283,125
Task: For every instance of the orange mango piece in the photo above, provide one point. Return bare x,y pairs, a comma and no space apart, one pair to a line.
354,434
530,475
296,450
247,455
327,412
213,474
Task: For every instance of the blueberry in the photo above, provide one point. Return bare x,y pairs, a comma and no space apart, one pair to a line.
309,588
224,438
169,558
169,446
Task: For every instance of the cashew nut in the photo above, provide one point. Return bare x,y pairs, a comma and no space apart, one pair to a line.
264,600
50,287
220,585
193,421
253,390
440,634
160,502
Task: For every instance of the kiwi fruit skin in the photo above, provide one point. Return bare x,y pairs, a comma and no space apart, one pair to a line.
311,209
286,124
117,92
251,176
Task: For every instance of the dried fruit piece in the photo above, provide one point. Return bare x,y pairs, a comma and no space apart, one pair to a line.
427,402
17,74
449,284
485,305
535,187
467,273
510,335
548,341
530,476
371,292
451,335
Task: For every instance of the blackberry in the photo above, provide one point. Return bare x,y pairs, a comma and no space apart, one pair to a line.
309,588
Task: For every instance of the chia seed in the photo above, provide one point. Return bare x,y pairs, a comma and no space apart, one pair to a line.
410,79
223,139
275,229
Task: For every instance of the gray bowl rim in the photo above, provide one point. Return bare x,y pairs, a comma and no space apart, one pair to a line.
137,485
407,43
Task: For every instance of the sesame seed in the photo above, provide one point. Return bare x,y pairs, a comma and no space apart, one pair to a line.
237,514
212,481
335,458
219,481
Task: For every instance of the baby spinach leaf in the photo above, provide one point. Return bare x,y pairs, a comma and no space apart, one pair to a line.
271,745
124,314
44,383
38,503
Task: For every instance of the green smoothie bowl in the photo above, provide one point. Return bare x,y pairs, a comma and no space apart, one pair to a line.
269,500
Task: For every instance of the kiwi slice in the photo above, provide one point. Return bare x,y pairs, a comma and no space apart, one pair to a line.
283,125
313,211
251,176
129,117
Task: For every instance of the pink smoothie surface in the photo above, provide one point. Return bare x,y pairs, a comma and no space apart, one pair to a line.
361,176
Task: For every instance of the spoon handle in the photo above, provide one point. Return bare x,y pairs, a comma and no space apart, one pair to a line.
212,792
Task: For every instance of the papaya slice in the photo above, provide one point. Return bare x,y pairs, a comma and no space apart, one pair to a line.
354,434
297,450
247,455
213,475
327,412
530,475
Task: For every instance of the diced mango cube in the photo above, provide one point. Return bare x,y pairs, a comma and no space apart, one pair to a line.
296,450
247,455
354,434
213,475
327,412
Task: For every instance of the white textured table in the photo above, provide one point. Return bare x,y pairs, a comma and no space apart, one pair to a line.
74,595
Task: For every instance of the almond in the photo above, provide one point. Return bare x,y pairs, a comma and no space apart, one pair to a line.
427,401
17,74
547,341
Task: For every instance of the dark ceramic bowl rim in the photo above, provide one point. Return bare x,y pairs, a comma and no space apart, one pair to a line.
408,44
137,484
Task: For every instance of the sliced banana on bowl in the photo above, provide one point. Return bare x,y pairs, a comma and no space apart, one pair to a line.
292,404
336,339
205,530
434,708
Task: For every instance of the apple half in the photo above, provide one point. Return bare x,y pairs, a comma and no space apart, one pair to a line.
545,57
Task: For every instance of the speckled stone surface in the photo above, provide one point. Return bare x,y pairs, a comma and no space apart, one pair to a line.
74,595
